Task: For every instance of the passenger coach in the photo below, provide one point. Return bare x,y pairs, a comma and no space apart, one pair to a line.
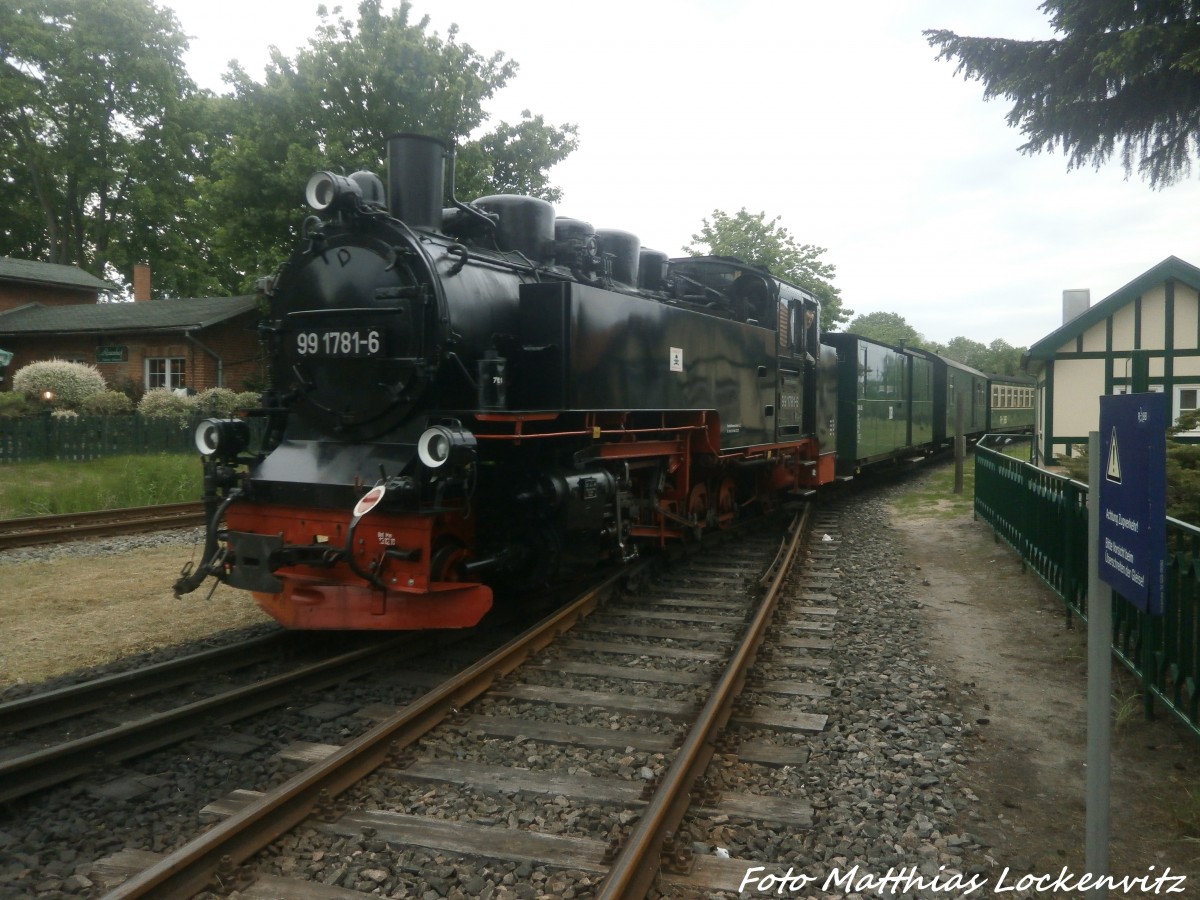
1010,407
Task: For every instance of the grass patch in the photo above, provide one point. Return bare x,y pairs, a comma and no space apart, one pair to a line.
1126,709
58,615
115,482
932,493
1184,806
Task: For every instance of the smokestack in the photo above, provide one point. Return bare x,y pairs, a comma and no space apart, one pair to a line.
1076,303
416,179
141,282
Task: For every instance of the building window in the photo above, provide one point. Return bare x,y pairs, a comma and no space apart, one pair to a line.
1187,399
165,372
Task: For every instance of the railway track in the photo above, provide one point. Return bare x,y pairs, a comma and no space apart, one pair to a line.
32,531
683,650
30,766
62,704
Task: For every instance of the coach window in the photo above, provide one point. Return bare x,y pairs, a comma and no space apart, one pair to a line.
165,372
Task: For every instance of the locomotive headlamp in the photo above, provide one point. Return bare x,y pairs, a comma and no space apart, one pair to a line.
325,189
222,437
443,444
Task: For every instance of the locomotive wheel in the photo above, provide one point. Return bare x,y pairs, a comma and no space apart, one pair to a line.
446,560
536,564
698,507
726,503
767,503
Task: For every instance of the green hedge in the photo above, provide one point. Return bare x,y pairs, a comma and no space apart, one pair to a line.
90,437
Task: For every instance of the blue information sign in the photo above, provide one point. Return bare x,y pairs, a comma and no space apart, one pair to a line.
1133,497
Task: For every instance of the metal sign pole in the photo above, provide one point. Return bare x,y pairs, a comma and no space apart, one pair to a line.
1099,716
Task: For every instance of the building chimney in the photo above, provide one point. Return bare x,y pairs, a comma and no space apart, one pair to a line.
1076,303
141,282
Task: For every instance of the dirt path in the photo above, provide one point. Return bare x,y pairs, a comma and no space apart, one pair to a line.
1002,643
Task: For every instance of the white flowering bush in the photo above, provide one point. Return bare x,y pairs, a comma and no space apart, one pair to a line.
62,384
108,403
164,403
249,400
223,403
64,414
218,402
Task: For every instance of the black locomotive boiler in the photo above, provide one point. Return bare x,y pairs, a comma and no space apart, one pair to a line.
467,396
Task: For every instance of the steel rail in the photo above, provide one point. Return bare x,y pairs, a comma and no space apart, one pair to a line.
54,765
636,865
62,703
32,530
190,868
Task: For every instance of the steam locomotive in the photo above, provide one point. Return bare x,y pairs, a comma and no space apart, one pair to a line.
467,397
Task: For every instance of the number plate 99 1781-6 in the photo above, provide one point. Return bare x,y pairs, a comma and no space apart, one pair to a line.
354,342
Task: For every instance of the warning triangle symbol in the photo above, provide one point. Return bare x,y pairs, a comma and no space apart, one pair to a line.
1113,472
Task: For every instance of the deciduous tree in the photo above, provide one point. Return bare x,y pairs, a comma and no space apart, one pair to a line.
1118,77
997,358
1183,470
754,240
886,327
333,106
96,136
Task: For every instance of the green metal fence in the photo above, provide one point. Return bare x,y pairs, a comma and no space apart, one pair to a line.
1044,518
89,437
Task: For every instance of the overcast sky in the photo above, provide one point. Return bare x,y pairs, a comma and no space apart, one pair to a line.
834,116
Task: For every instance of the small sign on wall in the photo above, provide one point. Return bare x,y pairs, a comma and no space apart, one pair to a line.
112,354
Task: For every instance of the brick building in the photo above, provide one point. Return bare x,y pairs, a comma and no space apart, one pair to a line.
24,281
196,343
51,312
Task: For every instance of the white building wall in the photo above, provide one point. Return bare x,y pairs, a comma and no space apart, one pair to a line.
1187,367
1154,319
1187,318
1078,384
1123,321
1095,339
